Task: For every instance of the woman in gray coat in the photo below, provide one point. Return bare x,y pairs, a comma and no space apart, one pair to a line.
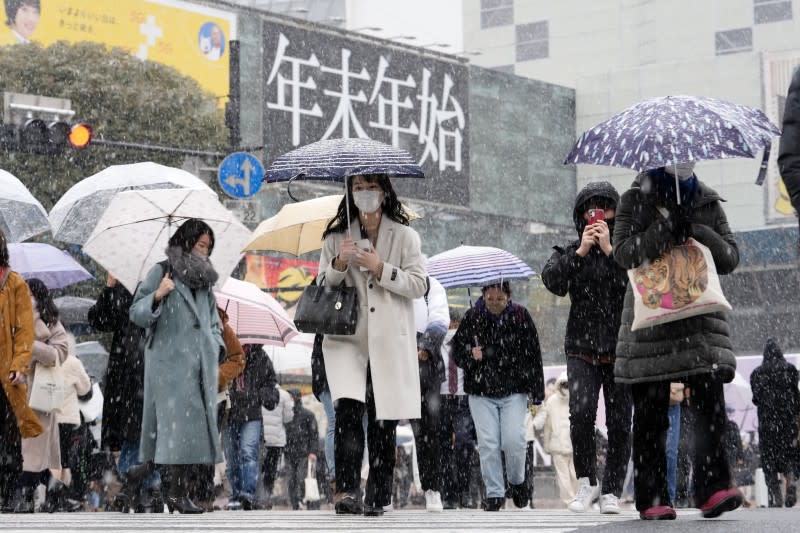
694,350
184,345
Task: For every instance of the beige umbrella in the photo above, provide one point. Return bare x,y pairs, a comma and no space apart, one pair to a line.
297,228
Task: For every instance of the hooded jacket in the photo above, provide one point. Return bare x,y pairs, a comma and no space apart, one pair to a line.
789,152
556,424
697,345
595,283
775,394
512,359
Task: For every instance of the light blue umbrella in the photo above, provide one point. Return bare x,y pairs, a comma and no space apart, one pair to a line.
477,266
56,268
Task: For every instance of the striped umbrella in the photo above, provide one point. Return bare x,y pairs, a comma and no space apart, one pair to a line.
256,317
477,266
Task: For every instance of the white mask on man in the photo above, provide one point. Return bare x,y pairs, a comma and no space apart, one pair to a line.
684,171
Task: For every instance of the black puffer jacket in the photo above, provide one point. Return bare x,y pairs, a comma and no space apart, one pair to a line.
123,396
512,359
696,345
789,152
254,387
775,393
595,283
302,435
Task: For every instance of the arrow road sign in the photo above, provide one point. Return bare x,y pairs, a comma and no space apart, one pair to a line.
240,175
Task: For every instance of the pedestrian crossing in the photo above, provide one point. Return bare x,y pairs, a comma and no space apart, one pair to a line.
418,521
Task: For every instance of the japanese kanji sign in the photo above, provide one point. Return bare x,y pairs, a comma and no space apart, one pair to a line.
322,85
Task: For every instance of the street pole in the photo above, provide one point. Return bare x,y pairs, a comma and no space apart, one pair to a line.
233,107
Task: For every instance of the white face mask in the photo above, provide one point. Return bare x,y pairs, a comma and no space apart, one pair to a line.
367,201
684,171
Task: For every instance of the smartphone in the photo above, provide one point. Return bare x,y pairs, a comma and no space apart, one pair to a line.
364,244
595,215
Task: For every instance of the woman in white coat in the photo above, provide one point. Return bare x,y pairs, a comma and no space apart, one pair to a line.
375,370
557,440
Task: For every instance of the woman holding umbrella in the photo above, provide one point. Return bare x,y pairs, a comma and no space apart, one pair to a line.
176,301
375,370
663,208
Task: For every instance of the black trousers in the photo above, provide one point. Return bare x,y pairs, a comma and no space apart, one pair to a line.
296,469
272,455
349,449
10,449
426,438
457,445
650,425
585,381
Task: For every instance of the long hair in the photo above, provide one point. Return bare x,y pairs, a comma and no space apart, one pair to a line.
4,257
189,233
44,301
391,206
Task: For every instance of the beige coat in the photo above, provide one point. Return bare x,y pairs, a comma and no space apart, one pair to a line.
76,383
43,452
386,334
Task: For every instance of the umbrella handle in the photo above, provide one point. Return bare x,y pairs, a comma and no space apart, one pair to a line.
289,188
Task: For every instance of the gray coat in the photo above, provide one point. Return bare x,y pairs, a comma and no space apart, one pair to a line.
179,421
676,350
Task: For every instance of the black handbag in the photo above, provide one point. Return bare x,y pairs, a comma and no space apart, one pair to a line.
327,310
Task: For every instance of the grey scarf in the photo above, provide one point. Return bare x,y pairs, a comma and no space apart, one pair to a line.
194,270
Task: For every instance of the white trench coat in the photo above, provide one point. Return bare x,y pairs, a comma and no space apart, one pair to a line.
386,335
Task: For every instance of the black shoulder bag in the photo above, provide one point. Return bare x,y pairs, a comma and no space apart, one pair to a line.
327,310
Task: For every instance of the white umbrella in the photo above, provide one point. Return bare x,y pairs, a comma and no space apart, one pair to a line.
21,215
255,316
295,357
132,235
77,212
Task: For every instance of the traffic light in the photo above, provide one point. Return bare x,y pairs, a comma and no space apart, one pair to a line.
36,136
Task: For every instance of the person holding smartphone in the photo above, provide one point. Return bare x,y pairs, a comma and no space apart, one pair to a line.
585,269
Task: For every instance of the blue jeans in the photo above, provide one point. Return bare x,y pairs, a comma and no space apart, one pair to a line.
673,438
330,413
241,441
128,457
500,425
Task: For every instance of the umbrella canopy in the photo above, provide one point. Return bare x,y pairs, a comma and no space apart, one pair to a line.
56,268
21,215
255,316
77,212
94,358
74,314
297,228
675,129
132,235
295,357
476,266
336,159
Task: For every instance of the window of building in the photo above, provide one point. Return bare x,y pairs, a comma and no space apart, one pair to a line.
766,11
496,13
733,41
533,41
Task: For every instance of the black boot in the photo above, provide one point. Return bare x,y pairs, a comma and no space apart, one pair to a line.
156,500
178,491
25,503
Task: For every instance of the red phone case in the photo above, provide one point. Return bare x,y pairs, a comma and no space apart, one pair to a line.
595,215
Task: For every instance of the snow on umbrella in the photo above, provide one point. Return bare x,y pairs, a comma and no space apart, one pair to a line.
676,129
477,266
297,228
77,212
21,215
255,316
132,234
56,268
73,312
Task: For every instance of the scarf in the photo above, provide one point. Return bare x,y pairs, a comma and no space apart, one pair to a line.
662,186
194,270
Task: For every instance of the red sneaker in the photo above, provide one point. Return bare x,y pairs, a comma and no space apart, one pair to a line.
722,501
658,512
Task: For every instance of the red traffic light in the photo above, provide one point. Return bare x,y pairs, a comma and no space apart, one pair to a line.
80,135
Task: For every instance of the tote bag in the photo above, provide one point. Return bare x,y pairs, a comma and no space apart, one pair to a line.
312,489
682,283
47,389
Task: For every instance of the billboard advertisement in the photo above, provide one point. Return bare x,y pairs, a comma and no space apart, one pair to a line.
325,84
191,38
284,278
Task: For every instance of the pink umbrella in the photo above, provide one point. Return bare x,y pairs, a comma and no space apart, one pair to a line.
256,317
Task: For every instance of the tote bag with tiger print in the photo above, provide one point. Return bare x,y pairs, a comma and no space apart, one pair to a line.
683,282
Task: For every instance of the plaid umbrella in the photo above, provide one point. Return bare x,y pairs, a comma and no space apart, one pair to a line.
676,129
477,266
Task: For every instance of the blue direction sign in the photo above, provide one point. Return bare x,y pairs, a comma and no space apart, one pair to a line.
240,175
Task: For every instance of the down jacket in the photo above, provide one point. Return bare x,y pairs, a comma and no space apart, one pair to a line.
692,346
789,152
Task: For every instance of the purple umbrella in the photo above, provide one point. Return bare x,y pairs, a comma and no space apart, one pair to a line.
676,129
56,268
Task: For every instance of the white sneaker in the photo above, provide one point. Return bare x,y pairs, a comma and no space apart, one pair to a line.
433,501
587,493
609,504
388,508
